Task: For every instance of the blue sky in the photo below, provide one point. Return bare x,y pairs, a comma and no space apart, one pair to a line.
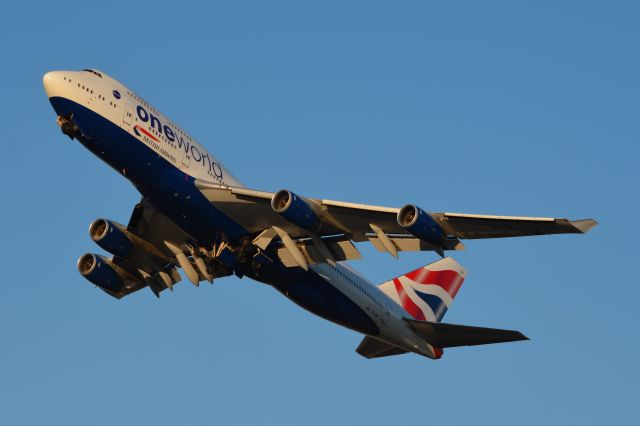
523,108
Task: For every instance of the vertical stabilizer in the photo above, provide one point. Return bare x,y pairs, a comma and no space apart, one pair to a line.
427,292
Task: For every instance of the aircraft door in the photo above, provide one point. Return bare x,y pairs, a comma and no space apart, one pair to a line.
186,156
128,115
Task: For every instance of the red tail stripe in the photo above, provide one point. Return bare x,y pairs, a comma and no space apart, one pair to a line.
449,280
408,304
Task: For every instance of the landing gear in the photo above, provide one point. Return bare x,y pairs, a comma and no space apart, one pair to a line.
68,127
246,251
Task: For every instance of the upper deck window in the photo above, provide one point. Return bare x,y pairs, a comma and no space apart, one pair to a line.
93,72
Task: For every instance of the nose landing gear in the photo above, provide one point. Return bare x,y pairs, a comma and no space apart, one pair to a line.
68,127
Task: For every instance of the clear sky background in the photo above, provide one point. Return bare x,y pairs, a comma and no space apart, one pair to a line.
521,108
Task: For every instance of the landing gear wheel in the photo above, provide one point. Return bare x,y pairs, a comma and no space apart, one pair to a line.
68,127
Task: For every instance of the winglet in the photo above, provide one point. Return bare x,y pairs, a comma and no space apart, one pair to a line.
584,225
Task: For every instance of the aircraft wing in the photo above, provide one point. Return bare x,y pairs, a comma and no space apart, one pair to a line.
146,267
154,265
474,226
380,225
252,209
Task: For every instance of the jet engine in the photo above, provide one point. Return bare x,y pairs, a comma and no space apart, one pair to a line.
296,210
111,237
421,225
100,272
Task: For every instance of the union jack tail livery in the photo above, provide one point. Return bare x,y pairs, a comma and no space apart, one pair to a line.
427,292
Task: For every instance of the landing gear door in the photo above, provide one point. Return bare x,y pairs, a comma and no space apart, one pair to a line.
128,115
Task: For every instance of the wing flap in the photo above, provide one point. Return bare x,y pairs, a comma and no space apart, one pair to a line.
139,278
411,243
340,249
443,335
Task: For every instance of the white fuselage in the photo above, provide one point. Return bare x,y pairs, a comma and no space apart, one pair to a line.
96,91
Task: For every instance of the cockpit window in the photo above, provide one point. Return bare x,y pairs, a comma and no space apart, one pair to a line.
93,72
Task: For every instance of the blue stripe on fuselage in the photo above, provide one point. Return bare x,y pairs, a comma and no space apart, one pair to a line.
169,190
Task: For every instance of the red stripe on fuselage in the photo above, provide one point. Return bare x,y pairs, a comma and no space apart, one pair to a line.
408,304
137,126
449,280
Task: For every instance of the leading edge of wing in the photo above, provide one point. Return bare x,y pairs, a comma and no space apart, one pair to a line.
201,184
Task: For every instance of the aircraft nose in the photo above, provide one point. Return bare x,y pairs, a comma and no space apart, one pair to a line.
52,82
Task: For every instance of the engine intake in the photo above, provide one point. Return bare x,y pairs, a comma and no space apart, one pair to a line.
99,271
421,225
296,210
111,237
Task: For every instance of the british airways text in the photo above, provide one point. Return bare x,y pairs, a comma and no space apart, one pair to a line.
172,137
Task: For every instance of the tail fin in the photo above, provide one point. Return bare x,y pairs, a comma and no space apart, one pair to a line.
427,293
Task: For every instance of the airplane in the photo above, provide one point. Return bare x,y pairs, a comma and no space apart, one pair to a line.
195,215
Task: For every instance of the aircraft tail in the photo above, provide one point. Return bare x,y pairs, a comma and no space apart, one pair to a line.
427,292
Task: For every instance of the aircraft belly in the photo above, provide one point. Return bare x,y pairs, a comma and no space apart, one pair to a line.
313,293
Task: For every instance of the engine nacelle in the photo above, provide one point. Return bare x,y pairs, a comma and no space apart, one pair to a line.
99,271
420,224
296,210
111,237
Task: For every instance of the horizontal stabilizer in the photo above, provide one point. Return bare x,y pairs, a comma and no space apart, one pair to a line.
374,348
442,335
